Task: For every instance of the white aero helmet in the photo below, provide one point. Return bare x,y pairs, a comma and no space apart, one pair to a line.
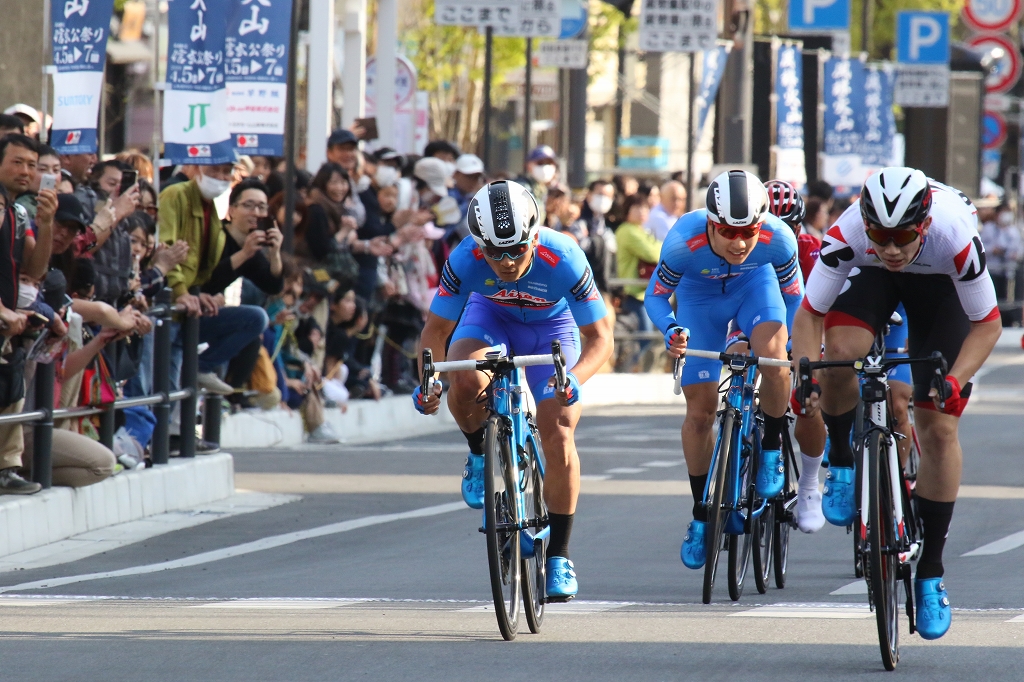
503,213
737,198
896,198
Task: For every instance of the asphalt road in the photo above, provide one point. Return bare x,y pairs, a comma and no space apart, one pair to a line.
379,573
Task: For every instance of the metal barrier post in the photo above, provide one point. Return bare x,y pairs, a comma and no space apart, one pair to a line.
189,370
162,380
107,428
212,406
42,469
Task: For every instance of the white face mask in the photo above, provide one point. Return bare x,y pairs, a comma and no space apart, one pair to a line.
363,184
26,295
600,204
544,173
211,188
386,176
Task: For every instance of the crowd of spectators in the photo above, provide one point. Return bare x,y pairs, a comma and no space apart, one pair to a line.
86,244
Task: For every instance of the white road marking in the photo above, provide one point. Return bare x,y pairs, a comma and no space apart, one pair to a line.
662,464
271,542
856,587
1016,619
106,539
568,607
274,604
999,546
594,477
625,470
824,611
47,601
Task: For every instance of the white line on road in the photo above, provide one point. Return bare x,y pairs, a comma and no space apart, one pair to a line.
828,611
856,587
662,464
274,604
568,607
271,542
999,546
625,470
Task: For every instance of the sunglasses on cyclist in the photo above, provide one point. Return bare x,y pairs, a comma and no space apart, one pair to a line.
729,232
882,237
514,252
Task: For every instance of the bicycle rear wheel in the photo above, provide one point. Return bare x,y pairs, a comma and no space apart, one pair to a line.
716,515
503,557
883,553
532,568
780,545
764,543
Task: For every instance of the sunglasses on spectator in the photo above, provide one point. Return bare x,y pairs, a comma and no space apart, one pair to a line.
514,252
882,236
151,210
729,232
254,206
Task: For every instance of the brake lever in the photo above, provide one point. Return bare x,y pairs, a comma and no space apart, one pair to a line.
939,380
558,358
805,386
427,381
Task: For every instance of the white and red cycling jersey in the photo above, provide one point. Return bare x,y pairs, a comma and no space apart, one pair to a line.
952,247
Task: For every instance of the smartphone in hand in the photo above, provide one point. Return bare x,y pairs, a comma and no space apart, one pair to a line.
128,178
47,181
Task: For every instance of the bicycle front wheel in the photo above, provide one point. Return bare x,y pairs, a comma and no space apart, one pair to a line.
739,545
780,543
883,552
764,541
532,568
500,519
716,515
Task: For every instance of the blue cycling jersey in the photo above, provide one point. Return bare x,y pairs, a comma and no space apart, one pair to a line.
688,261
559,280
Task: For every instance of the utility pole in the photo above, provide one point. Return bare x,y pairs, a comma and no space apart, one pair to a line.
387,56
353,76
319,82
735,98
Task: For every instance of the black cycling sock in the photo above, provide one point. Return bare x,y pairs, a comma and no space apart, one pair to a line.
839,427
476,441
697,483
935,517
772,438
561,529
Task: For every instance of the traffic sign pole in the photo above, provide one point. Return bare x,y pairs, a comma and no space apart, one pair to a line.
488,59
527,100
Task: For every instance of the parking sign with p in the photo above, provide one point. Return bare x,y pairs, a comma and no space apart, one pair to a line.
819,15
922,38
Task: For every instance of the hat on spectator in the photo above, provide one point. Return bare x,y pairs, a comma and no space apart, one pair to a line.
69,210
469,164
341,136
432,171
542,153
387,154
55,288
23,110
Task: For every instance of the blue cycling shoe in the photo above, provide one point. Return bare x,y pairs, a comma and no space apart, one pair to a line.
473,481
561,582
933,612
694,551
838,504
771,474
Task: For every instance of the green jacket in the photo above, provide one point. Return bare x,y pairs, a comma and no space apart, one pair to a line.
31,203
181,217
634,244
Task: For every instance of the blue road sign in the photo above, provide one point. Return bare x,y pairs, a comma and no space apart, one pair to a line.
819,15
574,18
922,38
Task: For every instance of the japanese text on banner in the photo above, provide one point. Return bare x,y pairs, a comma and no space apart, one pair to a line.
195,102
256,65
678,25
79,37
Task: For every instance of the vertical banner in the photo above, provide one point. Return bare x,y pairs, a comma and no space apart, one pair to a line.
789,114
879,123
711,77
844,118
80,30
256,68
195,102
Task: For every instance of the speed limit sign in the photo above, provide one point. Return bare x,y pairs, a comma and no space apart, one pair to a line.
1008,66
991,16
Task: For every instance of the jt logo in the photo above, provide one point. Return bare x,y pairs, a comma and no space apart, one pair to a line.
192,116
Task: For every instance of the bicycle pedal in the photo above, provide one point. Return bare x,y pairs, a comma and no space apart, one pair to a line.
559,600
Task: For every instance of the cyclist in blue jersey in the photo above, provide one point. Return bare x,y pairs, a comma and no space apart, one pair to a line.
733,260
515,286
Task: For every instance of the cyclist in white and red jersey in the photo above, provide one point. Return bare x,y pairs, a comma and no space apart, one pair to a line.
913,241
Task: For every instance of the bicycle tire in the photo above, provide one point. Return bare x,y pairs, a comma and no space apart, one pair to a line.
780,550
883,564
533,568
503,556
763,540
716,515
739,545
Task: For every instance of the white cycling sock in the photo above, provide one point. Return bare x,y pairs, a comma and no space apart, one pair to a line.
809,472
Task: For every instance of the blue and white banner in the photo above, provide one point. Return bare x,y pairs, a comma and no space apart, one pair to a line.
256,53
844,104
788,149
195,102
714,61
80,29
879,123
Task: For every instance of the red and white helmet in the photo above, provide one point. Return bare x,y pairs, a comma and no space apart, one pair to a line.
785,203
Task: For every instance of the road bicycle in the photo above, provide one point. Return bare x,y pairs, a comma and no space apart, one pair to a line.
885,527
515,516
734,511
